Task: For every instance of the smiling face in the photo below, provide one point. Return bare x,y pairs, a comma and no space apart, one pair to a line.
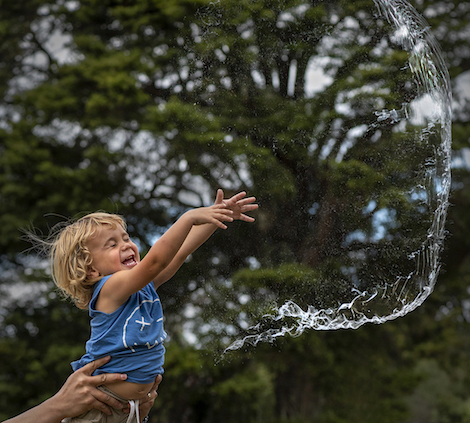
112,251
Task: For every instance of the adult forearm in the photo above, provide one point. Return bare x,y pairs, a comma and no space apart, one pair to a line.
78,394
47,412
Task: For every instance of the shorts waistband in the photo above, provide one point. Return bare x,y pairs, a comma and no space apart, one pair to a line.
111,393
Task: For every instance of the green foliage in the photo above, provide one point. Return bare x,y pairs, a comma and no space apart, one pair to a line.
39,175
299,283
39,339
194,389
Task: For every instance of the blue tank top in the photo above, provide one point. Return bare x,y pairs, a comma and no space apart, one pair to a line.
132,335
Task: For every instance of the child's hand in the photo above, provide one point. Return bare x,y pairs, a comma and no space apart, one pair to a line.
238,205
215,214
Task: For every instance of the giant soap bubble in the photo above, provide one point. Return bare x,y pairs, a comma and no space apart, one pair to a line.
363,162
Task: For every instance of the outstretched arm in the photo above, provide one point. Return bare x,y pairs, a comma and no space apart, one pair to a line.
122,284
238,204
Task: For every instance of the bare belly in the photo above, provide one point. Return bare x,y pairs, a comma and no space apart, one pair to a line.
130,390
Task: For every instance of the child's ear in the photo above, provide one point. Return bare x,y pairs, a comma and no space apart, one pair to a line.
92,273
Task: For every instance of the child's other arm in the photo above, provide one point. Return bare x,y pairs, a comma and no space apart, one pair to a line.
238,204
124,283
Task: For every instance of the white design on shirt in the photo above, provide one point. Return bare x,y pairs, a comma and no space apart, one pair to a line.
124,329
143,323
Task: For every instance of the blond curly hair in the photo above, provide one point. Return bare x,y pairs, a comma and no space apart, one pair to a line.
70,257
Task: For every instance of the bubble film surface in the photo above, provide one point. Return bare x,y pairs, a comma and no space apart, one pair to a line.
377,101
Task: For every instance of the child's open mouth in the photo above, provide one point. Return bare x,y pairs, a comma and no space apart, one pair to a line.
129,261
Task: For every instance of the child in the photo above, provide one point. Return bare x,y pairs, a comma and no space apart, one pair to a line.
96,264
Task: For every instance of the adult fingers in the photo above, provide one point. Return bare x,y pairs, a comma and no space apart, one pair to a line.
98,405
99,399
147,402
153,392
158,380
89,368
104,378
101,379
103,401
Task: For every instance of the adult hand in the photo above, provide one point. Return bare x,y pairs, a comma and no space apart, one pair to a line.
80,393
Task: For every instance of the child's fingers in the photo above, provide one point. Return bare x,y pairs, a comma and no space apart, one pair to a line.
249,207
237,197
246,218
219,224
226,217
223,216
222,209
220,206
219,197
246,201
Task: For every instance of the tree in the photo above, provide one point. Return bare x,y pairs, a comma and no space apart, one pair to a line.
329,165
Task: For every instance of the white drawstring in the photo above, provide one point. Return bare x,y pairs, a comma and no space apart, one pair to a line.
134,411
